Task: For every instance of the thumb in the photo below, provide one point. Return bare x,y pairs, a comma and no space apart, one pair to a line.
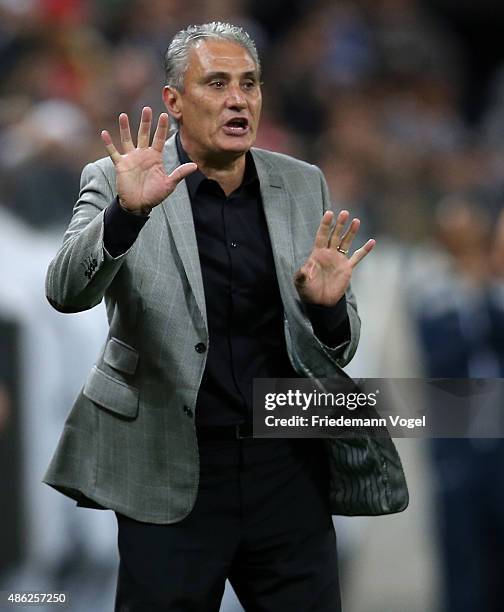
182,171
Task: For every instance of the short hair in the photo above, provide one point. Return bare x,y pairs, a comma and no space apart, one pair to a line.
177,55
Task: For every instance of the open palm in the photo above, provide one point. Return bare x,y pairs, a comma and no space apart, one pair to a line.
325,276
141,179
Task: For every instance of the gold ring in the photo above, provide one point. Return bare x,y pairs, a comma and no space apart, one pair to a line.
344,251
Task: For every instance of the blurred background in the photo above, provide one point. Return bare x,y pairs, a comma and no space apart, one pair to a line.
401,103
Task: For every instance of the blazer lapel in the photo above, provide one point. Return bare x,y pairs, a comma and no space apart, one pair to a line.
278,218
177,208
178,212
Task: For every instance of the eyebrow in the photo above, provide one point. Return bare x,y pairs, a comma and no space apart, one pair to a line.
250,74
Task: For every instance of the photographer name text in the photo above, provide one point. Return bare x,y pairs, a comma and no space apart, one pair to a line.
316,420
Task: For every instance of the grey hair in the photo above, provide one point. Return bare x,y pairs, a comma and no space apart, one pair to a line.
177,55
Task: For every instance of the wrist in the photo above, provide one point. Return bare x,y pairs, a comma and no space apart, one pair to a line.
309,303
143,211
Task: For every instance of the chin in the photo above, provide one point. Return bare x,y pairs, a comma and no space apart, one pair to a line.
237,145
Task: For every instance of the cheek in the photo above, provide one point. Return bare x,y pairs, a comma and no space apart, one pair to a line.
256,108
205,105
200,108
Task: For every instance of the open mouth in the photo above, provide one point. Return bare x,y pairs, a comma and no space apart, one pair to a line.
238,126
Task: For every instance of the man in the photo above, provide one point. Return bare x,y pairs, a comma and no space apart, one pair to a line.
237,272
460,321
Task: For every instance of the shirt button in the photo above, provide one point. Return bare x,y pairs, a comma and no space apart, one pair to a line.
200,347
234,245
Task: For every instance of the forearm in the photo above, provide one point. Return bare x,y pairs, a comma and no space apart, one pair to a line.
121,228
330,323
346,351
341,333
81,271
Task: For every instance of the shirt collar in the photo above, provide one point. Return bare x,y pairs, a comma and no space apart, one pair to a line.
195,179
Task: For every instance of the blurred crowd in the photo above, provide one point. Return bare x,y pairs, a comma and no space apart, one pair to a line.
379,94
371,90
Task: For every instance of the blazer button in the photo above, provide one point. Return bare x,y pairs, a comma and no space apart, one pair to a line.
188,411
200,347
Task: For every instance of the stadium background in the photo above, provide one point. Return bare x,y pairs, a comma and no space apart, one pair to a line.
400,102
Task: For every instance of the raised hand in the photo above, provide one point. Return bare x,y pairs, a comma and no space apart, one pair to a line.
141,179
326,274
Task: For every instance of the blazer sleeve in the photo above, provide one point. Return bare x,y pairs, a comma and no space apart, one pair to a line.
344,352
81,271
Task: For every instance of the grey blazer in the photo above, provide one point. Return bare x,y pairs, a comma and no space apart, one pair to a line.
129,442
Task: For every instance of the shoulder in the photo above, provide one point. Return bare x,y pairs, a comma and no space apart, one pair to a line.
99,174
102,166
285,163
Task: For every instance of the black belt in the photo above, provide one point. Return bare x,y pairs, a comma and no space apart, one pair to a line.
226,432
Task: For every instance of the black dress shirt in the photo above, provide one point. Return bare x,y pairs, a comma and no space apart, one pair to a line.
244,309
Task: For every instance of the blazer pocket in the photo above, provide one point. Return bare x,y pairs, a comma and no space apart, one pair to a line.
121,356
111,393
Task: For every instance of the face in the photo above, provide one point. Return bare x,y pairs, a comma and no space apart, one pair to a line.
220,107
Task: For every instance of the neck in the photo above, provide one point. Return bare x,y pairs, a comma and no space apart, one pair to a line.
226,168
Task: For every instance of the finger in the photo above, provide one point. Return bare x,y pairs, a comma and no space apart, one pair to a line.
114,154
181,172
346,241
341,221
124,130
144,128
161,132
362,252
324,230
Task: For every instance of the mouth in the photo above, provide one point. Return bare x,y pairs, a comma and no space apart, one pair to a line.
237,126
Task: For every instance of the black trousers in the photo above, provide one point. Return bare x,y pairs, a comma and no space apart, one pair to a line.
261,519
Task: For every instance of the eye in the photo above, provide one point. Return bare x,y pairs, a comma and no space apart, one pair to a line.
217,84
249,85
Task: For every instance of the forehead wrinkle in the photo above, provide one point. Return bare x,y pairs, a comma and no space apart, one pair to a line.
213,61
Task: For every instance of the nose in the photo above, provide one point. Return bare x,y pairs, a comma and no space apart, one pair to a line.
236,98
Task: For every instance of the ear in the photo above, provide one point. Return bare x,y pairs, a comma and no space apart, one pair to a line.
172,101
